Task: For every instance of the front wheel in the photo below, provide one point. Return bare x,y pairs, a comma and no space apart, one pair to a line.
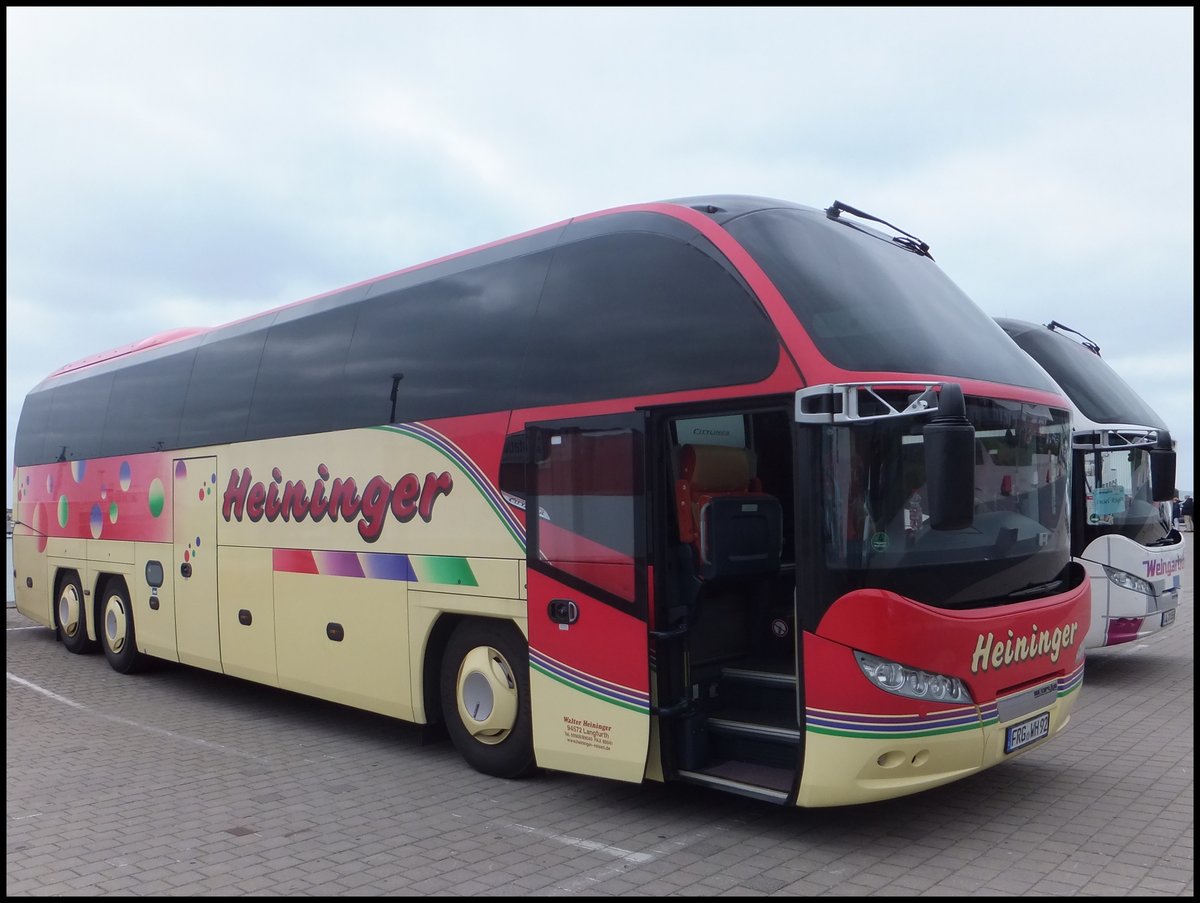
116,629
485,697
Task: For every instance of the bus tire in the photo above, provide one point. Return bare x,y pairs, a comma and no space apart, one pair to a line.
485,697
70,615
117,637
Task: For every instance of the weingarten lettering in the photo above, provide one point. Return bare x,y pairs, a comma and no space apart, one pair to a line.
409,497
1164,567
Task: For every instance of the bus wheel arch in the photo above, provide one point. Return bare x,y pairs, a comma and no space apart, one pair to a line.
70,613
432,664
485,696
115,627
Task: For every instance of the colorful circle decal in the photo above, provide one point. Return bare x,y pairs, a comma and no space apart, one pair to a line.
97,521
40,526
126,476
49,484
64,511
157,497
112,513
180,470
78,469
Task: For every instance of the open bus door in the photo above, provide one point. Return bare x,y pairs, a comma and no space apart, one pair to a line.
587,593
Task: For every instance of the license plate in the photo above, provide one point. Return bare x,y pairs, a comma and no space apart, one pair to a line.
1168,618
1028,731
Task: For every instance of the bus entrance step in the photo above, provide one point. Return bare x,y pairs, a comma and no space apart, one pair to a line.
771,732
767,677
774,745
761,782
754,690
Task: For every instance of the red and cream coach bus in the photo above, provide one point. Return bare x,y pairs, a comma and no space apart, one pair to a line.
683,491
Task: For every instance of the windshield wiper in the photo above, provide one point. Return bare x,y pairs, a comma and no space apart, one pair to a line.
905,239
1087,343
1034,589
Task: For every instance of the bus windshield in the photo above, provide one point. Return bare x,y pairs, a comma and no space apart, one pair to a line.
1118,495
869,307
877,531
1087,379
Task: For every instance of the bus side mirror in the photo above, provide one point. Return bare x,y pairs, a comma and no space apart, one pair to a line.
1162,468
950,462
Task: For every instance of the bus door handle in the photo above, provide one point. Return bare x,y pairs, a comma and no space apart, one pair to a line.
672,633
186,569
563,611
682,707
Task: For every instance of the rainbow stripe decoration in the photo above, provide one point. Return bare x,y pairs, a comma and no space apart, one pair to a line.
962,718
429,569
596,687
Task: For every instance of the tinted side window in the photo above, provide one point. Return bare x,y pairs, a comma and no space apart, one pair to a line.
218,398
31,429
146,405
76,420
639,313
458,343
299,388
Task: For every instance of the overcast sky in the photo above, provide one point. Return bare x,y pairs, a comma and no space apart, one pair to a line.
184,167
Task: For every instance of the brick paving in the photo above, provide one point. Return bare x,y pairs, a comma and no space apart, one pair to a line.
180,782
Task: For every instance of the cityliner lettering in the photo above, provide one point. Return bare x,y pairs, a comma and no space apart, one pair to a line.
408,497
990,652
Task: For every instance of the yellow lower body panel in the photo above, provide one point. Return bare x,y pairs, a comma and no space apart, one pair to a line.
842,770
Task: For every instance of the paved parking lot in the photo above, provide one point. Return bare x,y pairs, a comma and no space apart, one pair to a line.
182,782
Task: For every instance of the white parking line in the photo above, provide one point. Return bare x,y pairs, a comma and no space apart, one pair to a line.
627,858
589,845
183,738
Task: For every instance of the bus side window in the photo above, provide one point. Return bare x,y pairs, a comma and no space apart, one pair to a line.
76,420
218,397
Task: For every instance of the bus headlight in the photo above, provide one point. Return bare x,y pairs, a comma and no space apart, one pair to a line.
911,682
1126,580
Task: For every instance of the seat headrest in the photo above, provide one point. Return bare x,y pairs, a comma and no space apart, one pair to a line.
716,468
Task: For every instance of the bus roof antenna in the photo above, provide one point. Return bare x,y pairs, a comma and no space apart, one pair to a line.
396,377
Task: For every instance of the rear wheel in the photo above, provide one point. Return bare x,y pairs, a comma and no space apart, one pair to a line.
485,697
116,629
70,615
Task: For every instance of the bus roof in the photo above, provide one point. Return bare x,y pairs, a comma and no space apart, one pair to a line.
1097,391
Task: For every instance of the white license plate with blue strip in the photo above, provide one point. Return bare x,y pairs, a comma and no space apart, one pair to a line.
1028,731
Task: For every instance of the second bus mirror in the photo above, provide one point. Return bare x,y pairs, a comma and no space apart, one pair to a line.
950,462
1162,468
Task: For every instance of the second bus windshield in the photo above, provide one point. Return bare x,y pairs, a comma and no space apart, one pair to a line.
1117,495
